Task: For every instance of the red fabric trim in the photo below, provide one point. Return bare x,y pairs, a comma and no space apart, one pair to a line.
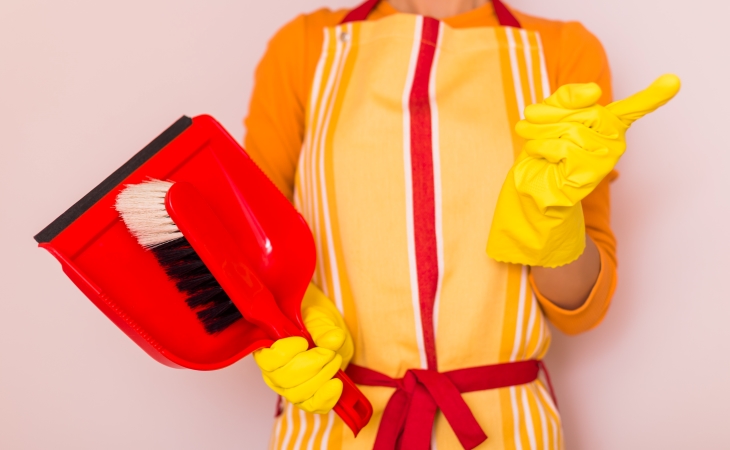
549,383
408,417
505,17
424,204
361,12
279,406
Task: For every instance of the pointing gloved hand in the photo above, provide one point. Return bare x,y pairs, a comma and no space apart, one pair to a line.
572,144
304,377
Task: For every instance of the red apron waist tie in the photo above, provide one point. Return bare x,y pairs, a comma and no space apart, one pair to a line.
408,418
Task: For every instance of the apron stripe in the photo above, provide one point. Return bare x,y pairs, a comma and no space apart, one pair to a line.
413,272
520,314
529,423
326,63
535,74
525,419
515,418
532,304
336,291
510,86
544,436
327,431
315,432
424,209
543,69
319,183
277,432
342,291
519,95
545,338
523,74
302,429
541,338
528,61
546,399
317,83
323,66
438,206
336,432
289,427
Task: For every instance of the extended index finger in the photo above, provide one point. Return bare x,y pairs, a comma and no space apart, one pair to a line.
643,102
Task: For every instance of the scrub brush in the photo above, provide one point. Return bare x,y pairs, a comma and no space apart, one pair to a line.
142,208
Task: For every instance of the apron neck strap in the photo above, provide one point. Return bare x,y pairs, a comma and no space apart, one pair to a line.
504,16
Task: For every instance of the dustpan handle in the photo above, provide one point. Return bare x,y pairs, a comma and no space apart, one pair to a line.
353,407
218,250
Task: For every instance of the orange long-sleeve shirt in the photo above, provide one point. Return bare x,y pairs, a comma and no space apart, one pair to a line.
275,124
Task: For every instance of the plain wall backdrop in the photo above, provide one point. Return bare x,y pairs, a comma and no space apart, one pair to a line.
85,84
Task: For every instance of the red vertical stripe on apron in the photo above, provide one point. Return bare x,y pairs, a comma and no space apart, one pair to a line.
424,207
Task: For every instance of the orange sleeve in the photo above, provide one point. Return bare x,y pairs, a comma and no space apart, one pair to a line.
578,57
275,122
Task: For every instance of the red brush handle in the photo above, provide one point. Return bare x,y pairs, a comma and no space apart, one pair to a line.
216,247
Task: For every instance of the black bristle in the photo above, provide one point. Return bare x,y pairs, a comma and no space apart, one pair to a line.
188,268
201,298
175,255
219,316
214,308
222,321
194,283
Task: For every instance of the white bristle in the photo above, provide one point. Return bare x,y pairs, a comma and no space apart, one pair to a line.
142,207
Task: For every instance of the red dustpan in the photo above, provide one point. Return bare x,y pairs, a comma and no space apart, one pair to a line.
231,257
272,243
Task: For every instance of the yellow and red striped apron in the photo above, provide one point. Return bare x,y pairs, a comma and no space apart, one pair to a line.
409,136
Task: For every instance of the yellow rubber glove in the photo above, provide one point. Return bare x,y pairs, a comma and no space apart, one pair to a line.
572,144
302,376
326,325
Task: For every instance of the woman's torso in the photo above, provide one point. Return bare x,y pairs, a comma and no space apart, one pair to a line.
353,188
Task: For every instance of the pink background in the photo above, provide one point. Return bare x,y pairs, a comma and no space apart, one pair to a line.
85,84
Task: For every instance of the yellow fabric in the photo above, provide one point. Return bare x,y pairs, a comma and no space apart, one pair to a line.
572,144
331,137
275,123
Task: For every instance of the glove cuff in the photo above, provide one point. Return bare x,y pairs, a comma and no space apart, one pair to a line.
521,234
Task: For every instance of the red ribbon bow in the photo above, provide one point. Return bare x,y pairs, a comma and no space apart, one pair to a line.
409,415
